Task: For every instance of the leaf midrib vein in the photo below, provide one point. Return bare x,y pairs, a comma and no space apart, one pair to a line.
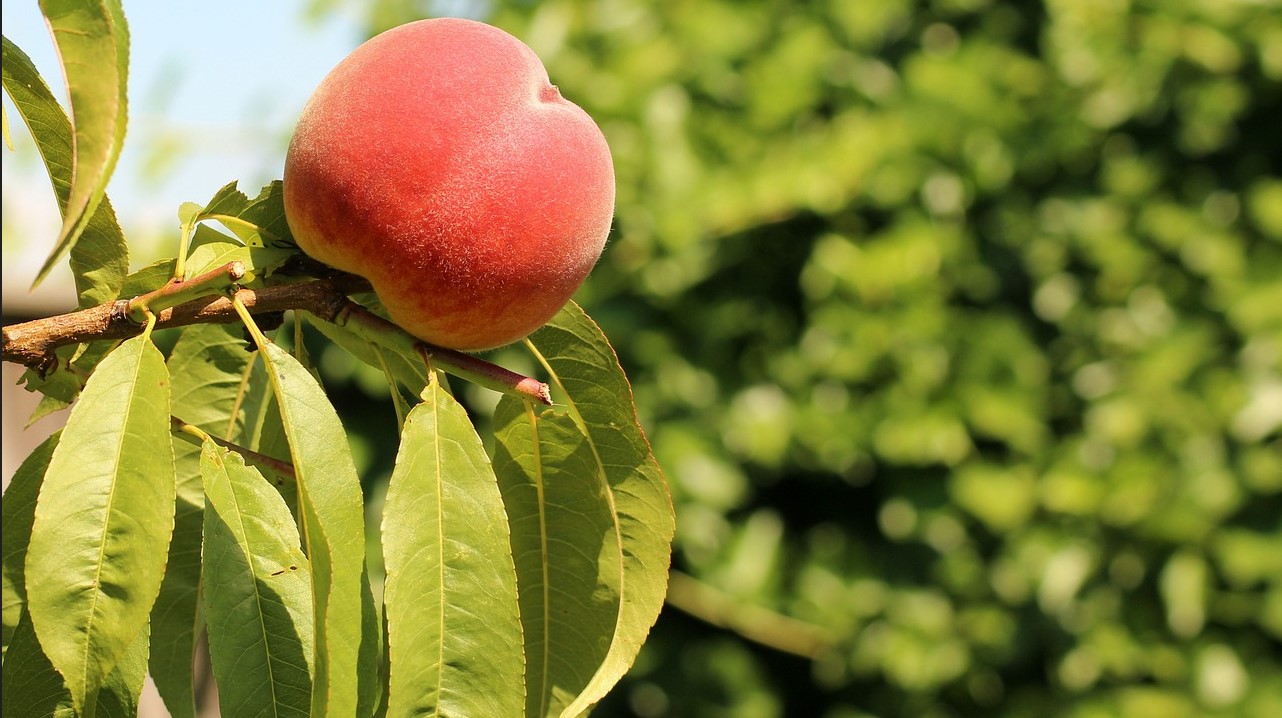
537,455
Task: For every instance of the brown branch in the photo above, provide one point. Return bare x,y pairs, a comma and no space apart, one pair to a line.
31,343
178,290
479,371
753,622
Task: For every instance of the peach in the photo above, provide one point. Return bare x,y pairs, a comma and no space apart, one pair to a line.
439,162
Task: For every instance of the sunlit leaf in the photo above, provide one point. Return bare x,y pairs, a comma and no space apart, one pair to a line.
147,279
211,249
568,563
257,592
205,367
330,504
267,212
586,376
100,259
259,426
104,518
93,43
258,222
454,636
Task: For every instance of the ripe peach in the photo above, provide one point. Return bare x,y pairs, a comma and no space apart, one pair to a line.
438,162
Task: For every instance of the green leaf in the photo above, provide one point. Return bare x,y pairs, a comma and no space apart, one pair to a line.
205,366
264,430
257,592
93,44
263,261
259,427
227,200
77,362
31,686
104,519
267,213
189,211
587,378
119,695
19,509
100,259
261,238
62,383
212,249
331,508
46,119
568,564
454,635
149,278
174,616
46,406
259,223
208,364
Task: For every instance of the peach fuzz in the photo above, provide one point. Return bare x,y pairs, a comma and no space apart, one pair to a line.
439,162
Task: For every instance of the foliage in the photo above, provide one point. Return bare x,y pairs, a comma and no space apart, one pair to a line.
957,324
204,483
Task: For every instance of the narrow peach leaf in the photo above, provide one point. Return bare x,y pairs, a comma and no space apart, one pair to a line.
454,636
331,510
92,40
103,519
566,549
586,378
257,592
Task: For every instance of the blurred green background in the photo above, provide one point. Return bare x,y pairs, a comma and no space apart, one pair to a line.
957,327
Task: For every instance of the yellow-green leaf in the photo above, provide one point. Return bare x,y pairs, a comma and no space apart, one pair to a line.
454,636
103,519
206,366
568,564
92,39
100,258
332,517
257,592
587,378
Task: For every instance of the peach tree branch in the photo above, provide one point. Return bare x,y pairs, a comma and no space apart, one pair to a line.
32,343
178,291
